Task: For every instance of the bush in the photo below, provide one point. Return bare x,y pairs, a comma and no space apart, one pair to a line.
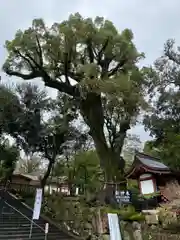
167,217
127,213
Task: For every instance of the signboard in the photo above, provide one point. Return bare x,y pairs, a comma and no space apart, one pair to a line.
114,228
77,191
123,196
46,228
37,204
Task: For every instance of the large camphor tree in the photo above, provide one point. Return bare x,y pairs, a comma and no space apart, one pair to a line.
90,60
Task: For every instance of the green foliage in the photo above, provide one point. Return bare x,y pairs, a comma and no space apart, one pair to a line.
166,151
83,170
168,218
69,212
10,108
127,213
87,171
163,121
151,195
134,188
22,108
31,165
34,104
149,148
132,143
8,158
63,38
103,64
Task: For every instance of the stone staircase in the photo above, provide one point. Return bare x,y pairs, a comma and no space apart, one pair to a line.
15,222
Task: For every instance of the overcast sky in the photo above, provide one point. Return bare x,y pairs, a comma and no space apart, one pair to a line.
152,22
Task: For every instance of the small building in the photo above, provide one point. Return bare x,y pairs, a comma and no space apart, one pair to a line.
57,184
25,179
32,181
154,177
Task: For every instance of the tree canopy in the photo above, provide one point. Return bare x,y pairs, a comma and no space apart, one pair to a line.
163,120
10,108
82,170
30,165
37,123
94,63
9,155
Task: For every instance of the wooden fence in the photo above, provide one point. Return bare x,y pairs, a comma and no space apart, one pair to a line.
27,189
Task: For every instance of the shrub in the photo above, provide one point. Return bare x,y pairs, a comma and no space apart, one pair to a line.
167,217
127,213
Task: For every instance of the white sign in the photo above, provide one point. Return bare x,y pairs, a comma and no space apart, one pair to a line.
46,228
37,204
123,196
77,191
114,229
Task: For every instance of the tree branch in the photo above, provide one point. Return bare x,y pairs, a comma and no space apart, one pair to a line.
75,76
39,51
104,63
66,67
47,173
63,87
100,54
120,136
111,131
38,66
115,69
31,75
39,71
25,58
90,50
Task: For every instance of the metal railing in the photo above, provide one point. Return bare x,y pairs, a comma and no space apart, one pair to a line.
31,221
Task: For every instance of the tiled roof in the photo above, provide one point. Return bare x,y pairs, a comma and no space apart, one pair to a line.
143,162
152,163
29,176
37,177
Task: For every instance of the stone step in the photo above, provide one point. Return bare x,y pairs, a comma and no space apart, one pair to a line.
15,223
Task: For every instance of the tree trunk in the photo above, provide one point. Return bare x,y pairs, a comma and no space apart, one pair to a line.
47,173
8,179
92,111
